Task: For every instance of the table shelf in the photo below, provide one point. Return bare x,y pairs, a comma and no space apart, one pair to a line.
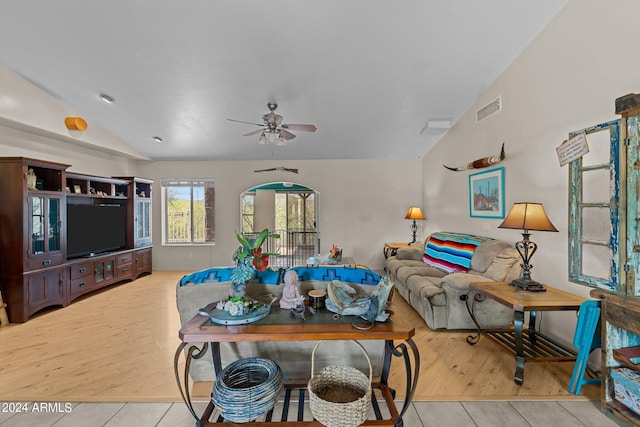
293,409
535,346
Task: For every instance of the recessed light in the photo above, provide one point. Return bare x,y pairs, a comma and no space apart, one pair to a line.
107,98
157,139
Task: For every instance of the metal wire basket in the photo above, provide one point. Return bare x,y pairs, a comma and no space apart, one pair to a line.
340,396
247,388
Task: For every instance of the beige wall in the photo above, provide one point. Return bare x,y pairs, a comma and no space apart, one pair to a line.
264,210
566,80
362,204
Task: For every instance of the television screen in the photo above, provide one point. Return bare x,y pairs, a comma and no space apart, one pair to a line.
93,229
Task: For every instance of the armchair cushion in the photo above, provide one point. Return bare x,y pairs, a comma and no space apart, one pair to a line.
410,253
502,264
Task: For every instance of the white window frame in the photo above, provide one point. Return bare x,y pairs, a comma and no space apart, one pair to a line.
166,183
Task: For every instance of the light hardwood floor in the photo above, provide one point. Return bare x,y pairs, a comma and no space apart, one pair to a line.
117,345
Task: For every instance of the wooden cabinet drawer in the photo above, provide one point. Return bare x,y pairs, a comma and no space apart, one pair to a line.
124,271
81,285
81,270
39,261
124,259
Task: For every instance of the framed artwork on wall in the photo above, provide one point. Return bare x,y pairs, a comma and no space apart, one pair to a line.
486,194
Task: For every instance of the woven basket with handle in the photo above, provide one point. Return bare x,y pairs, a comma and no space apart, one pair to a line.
340,396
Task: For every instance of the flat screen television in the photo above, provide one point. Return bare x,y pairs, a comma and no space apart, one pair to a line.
95,229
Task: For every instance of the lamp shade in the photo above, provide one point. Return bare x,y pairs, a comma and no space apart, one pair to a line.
528,216
414,213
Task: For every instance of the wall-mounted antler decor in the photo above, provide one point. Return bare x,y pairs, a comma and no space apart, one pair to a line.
481,163
279,168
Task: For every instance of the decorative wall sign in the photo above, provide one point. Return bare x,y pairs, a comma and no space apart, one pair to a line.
481,163
572,149
486,194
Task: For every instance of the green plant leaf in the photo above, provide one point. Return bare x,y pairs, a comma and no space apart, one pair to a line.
261,237
244,242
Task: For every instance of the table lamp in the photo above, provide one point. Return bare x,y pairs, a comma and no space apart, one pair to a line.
527,216
414,213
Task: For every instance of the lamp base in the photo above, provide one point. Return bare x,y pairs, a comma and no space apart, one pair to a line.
528,285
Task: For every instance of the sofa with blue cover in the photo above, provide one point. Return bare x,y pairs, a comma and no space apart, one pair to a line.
434,278
196,290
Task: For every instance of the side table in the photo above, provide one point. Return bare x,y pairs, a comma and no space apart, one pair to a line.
533,345
390,249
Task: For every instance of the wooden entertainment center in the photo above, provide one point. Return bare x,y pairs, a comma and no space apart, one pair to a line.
36,268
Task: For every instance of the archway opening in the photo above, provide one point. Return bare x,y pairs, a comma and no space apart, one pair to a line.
288,209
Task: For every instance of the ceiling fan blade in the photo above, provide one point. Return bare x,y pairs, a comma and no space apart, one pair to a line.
254,132
286,134
249,123
305,128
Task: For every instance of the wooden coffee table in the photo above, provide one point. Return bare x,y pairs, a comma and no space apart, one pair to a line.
533,345
322,326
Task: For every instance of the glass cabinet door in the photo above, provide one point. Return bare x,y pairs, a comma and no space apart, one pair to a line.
44,224
36,224
142,214
109,269
53,225
99,272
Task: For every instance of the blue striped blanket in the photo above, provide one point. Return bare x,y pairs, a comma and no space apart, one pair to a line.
451,251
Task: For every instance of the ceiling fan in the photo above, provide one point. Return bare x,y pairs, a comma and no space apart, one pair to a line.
273,131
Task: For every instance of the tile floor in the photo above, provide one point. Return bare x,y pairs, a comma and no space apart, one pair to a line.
420,414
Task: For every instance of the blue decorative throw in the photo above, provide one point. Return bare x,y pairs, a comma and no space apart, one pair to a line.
223,274
451,251
354,273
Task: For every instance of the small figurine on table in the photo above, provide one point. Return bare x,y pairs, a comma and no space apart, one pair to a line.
290,293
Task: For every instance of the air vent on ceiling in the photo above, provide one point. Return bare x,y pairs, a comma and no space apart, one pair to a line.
489,109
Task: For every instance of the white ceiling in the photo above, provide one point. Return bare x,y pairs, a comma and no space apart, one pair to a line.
368,73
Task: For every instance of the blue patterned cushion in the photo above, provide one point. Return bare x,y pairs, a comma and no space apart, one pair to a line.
223,274
353,273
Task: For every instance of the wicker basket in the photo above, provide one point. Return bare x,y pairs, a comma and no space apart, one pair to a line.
340,396
247,388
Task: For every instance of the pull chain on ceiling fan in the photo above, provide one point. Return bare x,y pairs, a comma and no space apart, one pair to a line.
273,131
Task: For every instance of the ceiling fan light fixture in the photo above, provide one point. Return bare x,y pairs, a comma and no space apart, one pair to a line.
273,131
273,137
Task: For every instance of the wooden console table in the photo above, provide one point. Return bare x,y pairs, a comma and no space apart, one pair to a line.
533,345
321,327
